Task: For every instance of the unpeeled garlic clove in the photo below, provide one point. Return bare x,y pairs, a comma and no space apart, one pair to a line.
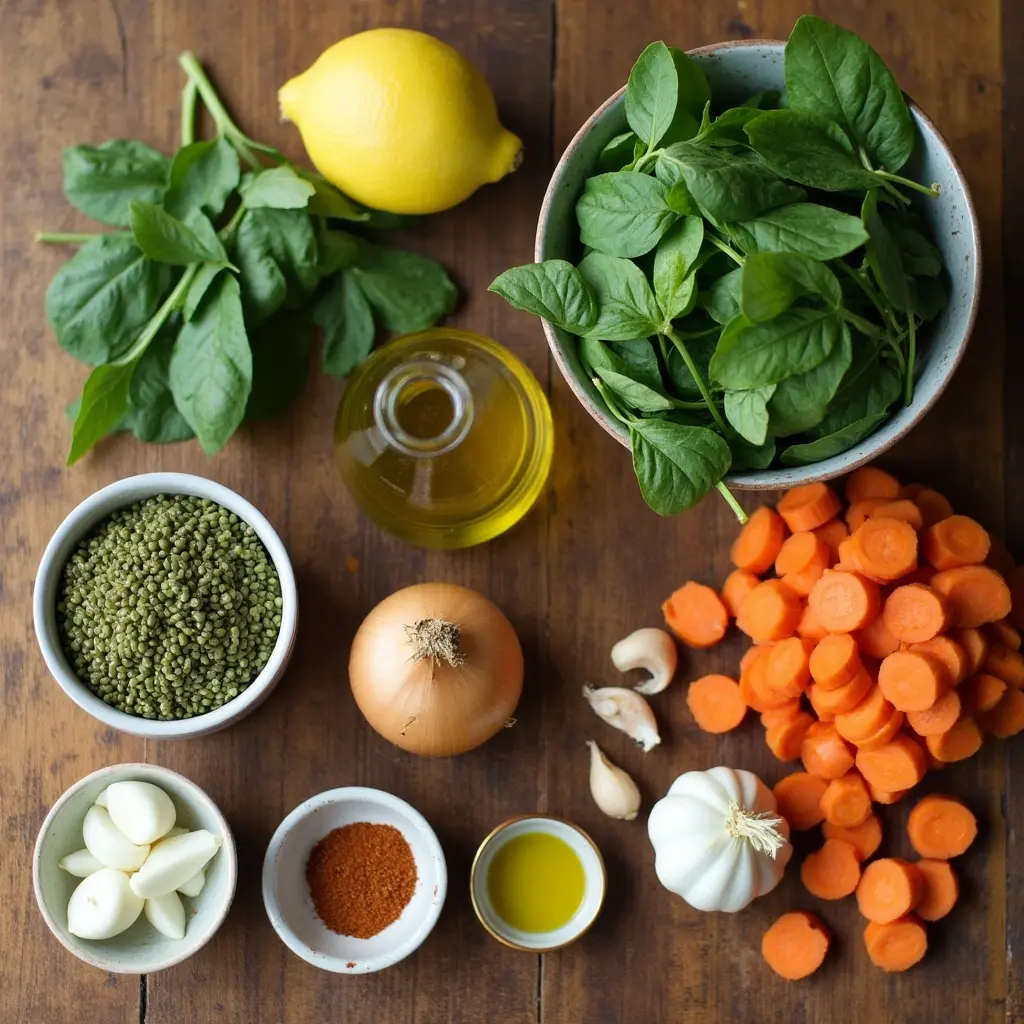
652,650
625,710
167,915
173,862
103,905
613,790
140,810
81,864
108,844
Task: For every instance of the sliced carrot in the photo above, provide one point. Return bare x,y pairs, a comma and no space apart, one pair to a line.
975,645
831,872
915,613
737,585
865,838
941,889
941,826
950,653
802,559
846,801
824,752
888,889
865,718
1015,581
884,549
835,660
898,764
934,507
844,601
896,946
715,703
752,666
785,740
939,718
842,698
1006,719
955,541
847,558
958,743
809,627
871,482
795,945
799,799
833,533
886,796
1005,633
912,680
858,513
902,508
975,594
875,640
885,734
696,615
981,693
759,541
808,506
788,674
771,611
1006,663
783,713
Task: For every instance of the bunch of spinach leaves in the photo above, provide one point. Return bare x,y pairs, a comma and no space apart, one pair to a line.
197,313
752,284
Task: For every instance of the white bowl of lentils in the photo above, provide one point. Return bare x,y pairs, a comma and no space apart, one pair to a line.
165,606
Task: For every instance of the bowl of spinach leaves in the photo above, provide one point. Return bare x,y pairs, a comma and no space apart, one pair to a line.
757,264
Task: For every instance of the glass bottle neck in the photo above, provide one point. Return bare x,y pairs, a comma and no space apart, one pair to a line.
423,408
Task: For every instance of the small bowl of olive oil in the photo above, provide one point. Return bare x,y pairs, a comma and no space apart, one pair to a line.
537,883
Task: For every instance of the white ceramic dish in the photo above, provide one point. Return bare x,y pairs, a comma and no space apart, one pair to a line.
593,893
141,949
84,518
286,893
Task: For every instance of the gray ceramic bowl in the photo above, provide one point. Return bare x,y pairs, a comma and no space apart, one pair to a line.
736,70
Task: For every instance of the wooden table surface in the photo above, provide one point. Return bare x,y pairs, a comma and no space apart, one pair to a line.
588,565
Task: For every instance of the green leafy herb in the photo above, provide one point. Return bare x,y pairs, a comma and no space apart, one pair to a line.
806,228
280,359
676,465
280,188
203,176
104,405
347,322
652,93
554,289
623,214
675,283
102,181
168,240
626,307
152,414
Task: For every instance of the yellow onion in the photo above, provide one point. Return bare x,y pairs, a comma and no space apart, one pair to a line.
436,669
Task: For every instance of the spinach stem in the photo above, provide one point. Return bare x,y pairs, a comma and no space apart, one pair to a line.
170,304
860,324
732,502
649,157
908,395
928,190
724,247
694,335
71,237
892,190
613,406
698,378
188,113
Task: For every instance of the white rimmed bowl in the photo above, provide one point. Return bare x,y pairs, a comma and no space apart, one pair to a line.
290,906
736,70
140,949
80,521
596,882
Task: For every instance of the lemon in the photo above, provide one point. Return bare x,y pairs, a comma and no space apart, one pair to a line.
400,121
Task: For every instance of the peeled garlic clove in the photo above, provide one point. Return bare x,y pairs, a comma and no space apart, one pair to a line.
627,711
194,885
81,864
103,905
613,790
101,800
142,811
652,650
108,844
173,862
167,915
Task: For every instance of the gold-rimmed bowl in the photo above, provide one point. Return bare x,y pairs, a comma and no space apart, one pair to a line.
594,873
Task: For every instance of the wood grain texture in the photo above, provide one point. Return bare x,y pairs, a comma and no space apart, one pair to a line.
588,565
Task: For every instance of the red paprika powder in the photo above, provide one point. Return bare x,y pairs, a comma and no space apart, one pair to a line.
361,877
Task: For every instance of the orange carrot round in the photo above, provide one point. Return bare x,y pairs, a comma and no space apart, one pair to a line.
955,541
795,945
802,559
865,718
884,549
809,627
896,946
888,889
842,698
981,693
844,601
1015,581
715,703
860,511
903,509
785,740
846,800
1005,633
975,645
939,718
737,585
759,541
912,680
782,713
915,613
752,669
975,594
1006,663
788,674
834,661
1006,719
934,506
808,506
894,766
831,872
941,826
833,533
875,640
886,796
958,743
946,650
865,838
696,615
884,734
871,482
799,799
824,752
941,889
771,611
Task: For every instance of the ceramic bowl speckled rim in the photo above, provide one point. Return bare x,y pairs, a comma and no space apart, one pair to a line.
947,339
96,508
93,953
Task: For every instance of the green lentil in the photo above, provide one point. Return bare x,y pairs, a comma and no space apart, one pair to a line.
169,608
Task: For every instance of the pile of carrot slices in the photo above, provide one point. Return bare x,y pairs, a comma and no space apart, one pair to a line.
886,644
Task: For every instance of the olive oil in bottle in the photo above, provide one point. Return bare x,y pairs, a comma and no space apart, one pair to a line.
444,438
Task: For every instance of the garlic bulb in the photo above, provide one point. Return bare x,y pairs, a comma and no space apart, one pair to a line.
613,790
627,711
652,650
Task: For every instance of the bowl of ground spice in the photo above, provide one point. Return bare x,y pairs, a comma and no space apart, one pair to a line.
354,880
165,606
